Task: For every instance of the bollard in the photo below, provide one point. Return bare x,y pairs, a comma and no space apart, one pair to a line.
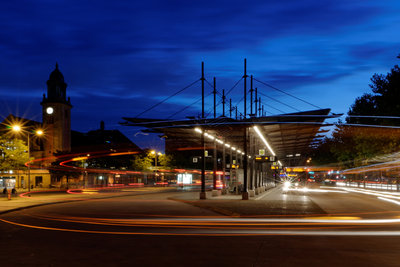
9,194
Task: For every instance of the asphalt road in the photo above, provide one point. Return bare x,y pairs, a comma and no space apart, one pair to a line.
313,228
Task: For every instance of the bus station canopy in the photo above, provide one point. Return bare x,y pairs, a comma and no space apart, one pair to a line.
289,136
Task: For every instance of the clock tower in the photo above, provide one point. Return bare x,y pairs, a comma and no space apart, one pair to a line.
56,110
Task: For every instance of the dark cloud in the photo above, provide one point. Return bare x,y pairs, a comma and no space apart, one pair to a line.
124,56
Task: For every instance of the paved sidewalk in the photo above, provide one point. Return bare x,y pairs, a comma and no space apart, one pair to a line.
48,196
18,202
270,202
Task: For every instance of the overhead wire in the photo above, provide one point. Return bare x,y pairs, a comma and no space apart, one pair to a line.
272,107
277,89
276,100
227,93
169,97
188,106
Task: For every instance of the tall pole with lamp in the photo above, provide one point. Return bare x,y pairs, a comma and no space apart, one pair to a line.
155,162
17,129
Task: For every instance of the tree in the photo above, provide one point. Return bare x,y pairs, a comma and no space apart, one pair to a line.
13,154
352,145
142,162
166,161
145,161
384,100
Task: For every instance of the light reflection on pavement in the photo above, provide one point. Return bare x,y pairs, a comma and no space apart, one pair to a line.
348,224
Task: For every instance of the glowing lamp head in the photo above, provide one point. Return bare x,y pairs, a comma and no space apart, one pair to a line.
39,132
16,128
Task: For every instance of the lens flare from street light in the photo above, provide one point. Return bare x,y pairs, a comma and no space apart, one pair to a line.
16,128
39,132
286,185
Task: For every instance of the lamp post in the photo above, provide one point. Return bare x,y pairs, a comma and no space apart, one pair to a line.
16,128
153,152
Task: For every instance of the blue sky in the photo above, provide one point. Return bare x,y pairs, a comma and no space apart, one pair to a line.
120,57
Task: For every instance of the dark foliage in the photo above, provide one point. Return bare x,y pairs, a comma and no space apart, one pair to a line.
352,145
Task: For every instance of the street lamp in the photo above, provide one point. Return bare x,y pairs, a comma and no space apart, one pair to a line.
153,152
17,128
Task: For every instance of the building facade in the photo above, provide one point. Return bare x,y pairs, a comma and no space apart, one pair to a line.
56,110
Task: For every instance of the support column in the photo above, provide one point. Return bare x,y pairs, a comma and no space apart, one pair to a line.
260,168
231,169
203,169
203,160
215,191
224,183
256,178
251,152
245,194
245,88
202,90
215,166
261,165
251,180
251,95
238,159
255,102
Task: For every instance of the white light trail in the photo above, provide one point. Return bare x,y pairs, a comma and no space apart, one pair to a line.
390,200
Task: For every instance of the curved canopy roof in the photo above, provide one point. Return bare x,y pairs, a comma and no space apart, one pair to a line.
289,136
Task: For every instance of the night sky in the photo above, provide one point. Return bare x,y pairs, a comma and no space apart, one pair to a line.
121,57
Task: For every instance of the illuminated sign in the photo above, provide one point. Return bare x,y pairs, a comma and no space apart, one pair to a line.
263,158
185,178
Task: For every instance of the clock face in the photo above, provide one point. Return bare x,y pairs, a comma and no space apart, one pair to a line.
49,110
